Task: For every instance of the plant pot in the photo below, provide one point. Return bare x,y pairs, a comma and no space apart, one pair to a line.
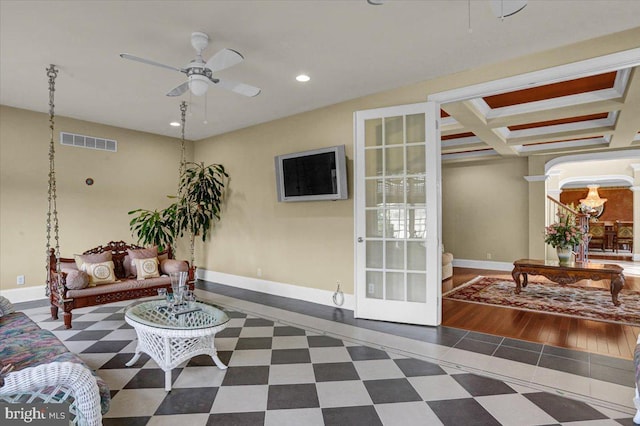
564,255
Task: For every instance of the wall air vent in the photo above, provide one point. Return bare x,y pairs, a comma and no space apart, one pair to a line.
91,142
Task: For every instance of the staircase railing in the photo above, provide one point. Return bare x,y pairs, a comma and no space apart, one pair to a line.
582,255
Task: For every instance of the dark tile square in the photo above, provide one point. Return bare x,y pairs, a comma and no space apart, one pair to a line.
364,353
476,346
609,361
187,401
519,355
254,343
292,396
335,371
564,409
119,361
353,416
489,338
415,367
107,309
612,375
237,419
482,386
290,356
125,326
88,335
207,361
75,325
566,353
246,375
465,411
323,341
151,378
391,390
106,346
235,314
229,332
257,322
567,365
115,317
288,331
522,344
125,421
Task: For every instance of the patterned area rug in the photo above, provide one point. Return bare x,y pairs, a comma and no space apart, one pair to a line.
571,300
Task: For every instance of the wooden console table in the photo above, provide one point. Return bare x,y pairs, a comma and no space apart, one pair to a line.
568,274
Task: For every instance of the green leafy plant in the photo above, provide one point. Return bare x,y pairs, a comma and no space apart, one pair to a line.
195,210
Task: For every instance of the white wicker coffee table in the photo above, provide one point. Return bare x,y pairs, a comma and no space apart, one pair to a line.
169,339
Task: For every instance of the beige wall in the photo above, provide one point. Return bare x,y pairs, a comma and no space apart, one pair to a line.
480,221
311,244
139,175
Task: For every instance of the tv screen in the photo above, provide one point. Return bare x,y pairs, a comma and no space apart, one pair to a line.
314,175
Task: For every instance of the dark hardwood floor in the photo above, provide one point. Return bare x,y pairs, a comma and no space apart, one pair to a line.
572,333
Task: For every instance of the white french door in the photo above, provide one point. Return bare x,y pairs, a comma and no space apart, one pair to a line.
398,214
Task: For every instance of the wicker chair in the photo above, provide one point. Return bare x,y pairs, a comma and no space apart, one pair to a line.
53,382
56,382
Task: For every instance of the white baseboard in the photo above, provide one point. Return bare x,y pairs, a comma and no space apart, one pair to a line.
636,257
26,294
307,294
483,264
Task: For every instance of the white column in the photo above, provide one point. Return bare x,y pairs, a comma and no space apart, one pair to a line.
636,223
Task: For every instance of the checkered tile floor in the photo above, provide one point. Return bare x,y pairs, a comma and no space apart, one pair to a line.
282,374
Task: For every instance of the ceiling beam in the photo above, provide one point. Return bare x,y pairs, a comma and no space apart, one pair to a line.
628,123
562,135
474,120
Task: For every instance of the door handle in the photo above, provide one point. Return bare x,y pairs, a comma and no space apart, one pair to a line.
360,239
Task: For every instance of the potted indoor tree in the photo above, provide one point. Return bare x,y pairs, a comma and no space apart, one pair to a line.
195,210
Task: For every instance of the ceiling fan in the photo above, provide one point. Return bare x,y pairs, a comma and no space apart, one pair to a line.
200,73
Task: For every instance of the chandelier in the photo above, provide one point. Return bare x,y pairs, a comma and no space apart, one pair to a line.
593,200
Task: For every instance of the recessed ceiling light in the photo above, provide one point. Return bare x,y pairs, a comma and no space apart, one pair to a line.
303,78
174,124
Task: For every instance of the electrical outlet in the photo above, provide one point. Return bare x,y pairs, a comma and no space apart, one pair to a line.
20,280
371,288
259,272
489,256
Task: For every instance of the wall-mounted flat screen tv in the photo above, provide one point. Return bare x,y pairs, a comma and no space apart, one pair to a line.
320,174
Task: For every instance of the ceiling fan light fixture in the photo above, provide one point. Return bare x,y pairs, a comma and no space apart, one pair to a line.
198,84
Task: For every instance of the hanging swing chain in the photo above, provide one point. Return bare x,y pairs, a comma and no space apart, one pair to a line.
183,166
52,213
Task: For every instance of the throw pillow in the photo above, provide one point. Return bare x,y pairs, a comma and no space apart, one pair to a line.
76,280
100,273
91,258
168,266
145,253
147,268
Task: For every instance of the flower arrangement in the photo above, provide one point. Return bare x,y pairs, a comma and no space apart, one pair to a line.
563,233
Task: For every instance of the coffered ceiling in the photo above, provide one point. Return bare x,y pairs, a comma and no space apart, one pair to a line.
597,112
350,49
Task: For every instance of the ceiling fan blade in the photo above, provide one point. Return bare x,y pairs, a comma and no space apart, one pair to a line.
224,59
150,62
179,90
240,88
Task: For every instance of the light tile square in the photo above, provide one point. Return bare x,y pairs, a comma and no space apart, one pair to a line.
514,409
234,399
294,417
330,354
342,394
135,403
407,413
256,332
434,388
199,377
250,357
289,342
291,373
378,369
